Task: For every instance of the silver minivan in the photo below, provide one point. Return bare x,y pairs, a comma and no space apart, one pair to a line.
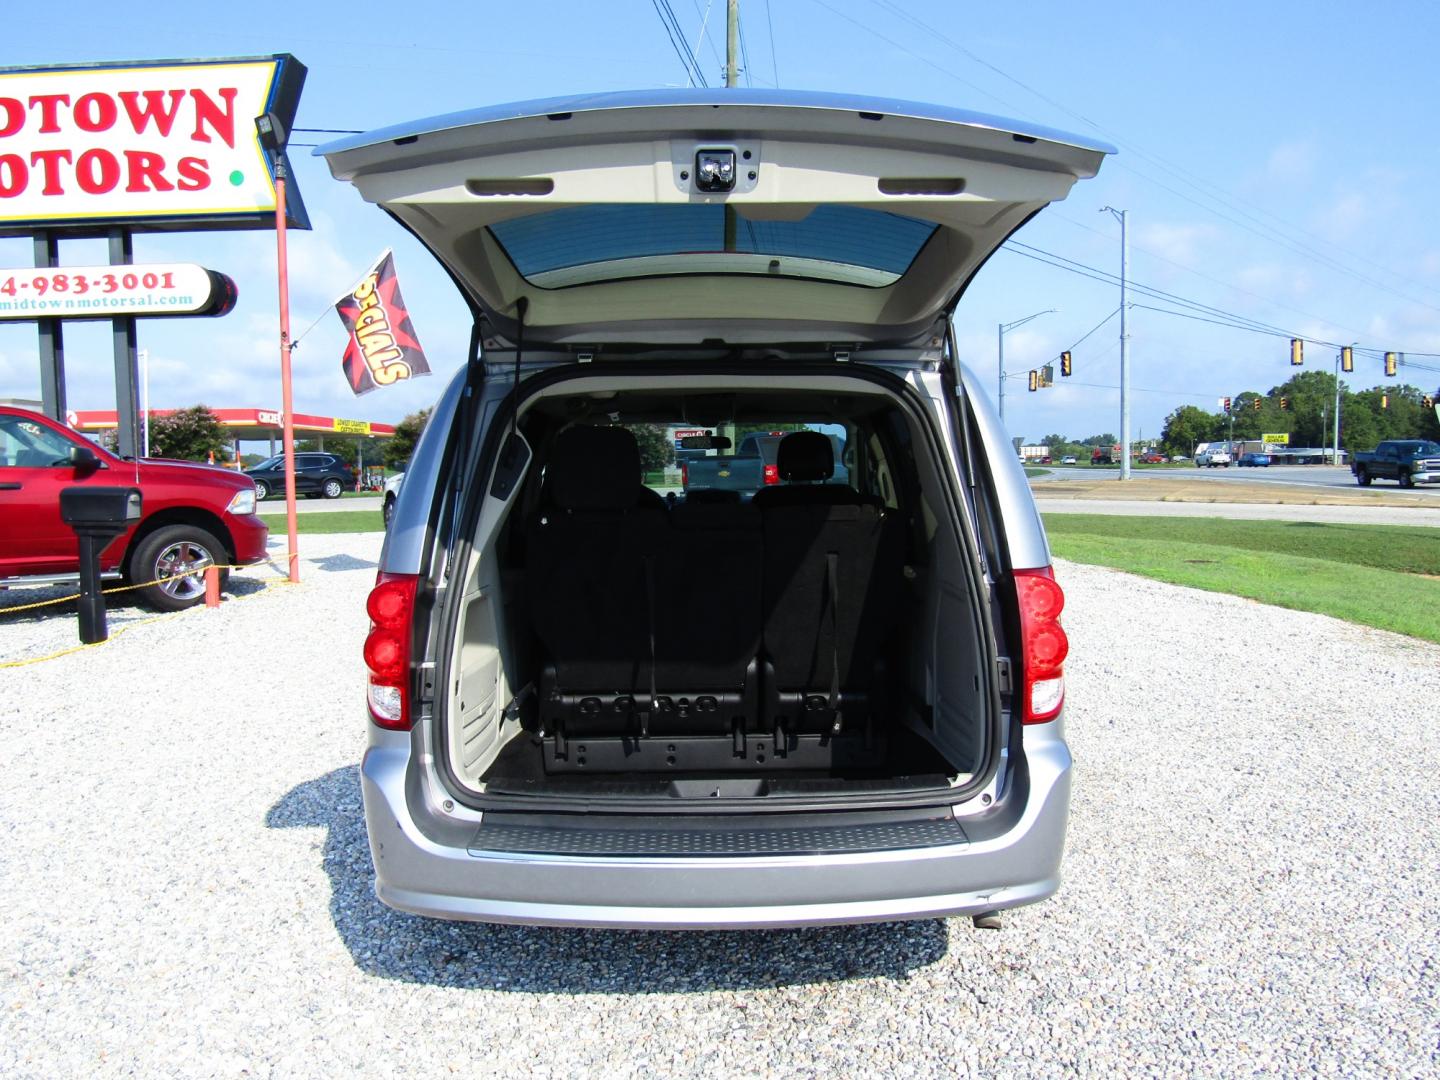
596,699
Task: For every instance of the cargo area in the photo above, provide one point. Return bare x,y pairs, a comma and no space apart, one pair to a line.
817,634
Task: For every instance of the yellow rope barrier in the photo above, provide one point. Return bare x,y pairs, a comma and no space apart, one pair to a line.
128,626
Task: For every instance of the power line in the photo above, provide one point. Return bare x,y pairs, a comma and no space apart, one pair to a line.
744,51
673,31
1294,246
774,63
1092,330
1222,317
914,55
705,25
1053,213
1223,198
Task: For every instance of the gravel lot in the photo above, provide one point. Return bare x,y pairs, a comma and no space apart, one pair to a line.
1253,884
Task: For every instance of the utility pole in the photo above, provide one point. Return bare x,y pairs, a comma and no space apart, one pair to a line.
732,39
1000,329
1120,216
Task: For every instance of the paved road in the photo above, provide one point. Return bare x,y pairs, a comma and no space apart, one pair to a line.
1323,476
1352,515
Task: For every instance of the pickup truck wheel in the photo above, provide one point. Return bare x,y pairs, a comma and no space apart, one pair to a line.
174,558
333,488
1362,477
1406,480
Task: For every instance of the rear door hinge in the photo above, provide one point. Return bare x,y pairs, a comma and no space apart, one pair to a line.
842,356
1003,673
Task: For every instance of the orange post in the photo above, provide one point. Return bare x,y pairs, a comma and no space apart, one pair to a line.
212,586
286,393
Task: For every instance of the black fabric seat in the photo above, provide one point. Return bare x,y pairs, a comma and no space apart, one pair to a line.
833,579
805,460
592,580
649,619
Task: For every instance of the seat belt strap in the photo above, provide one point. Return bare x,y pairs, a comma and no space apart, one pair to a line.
650,607
832,572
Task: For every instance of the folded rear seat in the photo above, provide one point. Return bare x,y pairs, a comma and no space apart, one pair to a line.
650,627
833,579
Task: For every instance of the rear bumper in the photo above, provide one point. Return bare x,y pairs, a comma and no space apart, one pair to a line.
428,864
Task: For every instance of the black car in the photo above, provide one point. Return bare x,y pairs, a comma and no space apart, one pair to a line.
316,474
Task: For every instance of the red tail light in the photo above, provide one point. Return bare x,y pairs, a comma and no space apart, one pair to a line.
391,606
684,475
1043,642
772,474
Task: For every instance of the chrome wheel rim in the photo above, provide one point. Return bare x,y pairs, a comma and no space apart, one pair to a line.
180,570
333,489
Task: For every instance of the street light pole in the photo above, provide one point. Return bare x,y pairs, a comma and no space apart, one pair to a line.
1120,215
1000,329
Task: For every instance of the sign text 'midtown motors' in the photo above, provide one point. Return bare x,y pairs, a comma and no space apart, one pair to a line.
168,141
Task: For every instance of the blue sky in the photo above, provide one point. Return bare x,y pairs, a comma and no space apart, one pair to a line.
1278,162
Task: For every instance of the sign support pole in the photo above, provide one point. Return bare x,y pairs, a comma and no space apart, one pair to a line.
127,373
52,337
287,401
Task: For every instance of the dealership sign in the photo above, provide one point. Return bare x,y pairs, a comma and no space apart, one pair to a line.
103,292
159,145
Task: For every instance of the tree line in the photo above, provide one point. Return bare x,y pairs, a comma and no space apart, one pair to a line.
1367,417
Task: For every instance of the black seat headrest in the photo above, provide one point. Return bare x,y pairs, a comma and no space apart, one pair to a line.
805,456
594,468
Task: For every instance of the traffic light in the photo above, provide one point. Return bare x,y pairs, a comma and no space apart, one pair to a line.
1256,404
1391,361
1065,364
1034,380
1297,351
1047,375
1428,401
1226,403
1347,359
1284,403
1384,401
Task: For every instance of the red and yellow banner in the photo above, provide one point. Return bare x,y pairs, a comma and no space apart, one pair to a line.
383,348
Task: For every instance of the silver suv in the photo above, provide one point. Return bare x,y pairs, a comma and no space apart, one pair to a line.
596,699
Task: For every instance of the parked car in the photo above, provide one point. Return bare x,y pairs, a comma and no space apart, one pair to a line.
1152,457
316,475
392,492
1406,461
1178,457
193,515
1068,459
751,468
834,702
1212,459
1254,460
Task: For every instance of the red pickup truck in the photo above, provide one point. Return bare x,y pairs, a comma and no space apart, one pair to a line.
193,515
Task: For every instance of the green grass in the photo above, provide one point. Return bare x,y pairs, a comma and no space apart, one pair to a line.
341,521
1031,470
1365,574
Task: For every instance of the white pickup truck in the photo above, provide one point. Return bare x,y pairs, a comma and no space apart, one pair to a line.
1212,458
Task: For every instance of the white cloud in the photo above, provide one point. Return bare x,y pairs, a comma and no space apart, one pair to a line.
1181,243
1292,162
